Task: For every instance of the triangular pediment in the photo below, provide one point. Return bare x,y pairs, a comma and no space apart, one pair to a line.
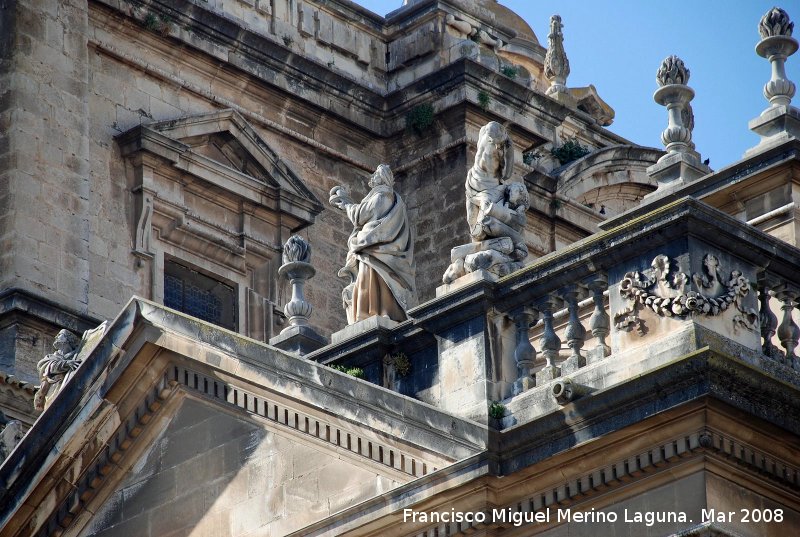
225,150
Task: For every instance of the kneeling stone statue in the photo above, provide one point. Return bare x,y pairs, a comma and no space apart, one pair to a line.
496,211
380,257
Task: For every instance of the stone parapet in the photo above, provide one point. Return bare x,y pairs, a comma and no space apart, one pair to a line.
670,275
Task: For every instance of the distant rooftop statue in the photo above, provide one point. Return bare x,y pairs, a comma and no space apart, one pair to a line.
57,368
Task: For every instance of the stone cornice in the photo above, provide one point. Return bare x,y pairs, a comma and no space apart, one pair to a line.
14,300
379,112
704,373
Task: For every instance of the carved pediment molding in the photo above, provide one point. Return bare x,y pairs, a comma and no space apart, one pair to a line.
278,187
334,432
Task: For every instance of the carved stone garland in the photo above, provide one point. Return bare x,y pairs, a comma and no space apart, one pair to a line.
665,294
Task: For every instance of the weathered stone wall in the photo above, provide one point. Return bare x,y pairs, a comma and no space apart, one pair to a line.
214,474
45,193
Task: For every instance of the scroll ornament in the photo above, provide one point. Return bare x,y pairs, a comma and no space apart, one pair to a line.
664,293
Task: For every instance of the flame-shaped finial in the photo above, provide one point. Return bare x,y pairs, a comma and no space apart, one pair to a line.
296,249
672,71
775,22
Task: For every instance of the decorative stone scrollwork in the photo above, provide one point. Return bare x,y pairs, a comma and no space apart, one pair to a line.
663,291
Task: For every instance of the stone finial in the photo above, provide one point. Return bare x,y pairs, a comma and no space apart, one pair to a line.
297,269
296,249
777,44
556,63
672,71
673,93
681,164
780,122
775,22
299,337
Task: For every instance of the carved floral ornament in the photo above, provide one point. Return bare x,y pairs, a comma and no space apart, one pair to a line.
663,290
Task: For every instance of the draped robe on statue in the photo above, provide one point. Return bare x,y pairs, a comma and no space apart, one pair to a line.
382,244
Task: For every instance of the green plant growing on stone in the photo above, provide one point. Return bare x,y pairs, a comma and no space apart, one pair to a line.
420,118
356,372
402,365
484,99
509,70
287,41
570,150
150,22
529,157
497,410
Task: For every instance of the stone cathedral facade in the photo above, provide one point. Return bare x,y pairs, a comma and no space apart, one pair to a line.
634,373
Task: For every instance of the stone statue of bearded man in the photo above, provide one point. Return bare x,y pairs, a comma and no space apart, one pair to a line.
380,257
57,368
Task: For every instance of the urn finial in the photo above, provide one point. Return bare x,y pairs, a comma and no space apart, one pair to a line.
776,45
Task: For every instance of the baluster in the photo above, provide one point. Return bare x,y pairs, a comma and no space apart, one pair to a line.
599,322
788,331
551,344
575,332
768,323
524,352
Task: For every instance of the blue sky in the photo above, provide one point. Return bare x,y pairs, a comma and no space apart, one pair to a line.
619,45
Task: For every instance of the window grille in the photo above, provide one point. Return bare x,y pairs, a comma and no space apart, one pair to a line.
198,295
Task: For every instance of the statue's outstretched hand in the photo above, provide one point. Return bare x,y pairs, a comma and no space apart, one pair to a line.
339,197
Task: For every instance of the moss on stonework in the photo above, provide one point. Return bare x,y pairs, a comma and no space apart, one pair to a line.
420,118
